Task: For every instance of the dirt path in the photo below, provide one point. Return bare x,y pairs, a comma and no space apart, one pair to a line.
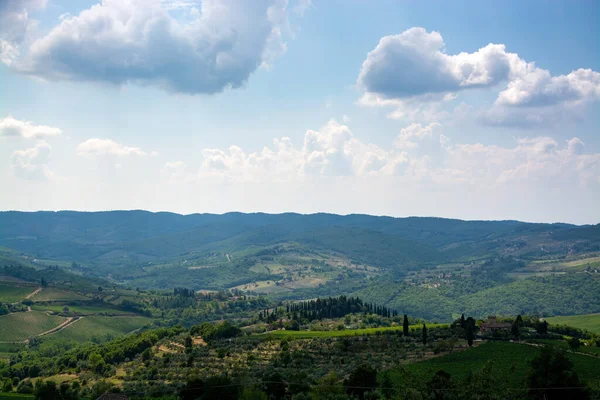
568,351
30,295
70,321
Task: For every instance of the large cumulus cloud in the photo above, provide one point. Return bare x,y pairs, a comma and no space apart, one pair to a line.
412,68
15,24
203,50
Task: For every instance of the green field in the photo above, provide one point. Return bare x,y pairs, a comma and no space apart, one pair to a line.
77,309
345,332
99,327
15,396
54,294
510,362
21,326
590,322
13,294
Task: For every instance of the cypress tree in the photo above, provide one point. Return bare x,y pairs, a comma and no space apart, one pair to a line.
405,325
424,334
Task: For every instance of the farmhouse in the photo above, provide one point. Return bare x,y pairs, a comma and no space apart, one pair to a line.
493,326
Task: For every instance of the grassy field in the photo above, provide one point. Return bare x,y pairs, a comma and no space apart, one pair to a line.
510,361
54,294
346,332
99,327
12,293
590,322
77,309
21,326
15,396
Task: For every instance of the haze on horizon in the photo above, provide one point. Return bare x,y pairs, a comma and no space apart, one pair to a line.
459,110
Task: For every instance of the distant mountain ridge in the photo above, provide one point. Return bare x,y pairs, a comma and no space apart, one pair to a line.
88,235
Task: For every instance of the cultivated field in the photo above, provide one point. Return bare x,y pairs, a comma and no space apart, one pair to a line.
510,363
77,309
21,326
54,294
345,332
13,294
590,322
99,327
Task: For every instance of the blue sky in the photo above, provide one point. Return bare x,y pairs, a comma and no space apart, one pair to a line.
395,108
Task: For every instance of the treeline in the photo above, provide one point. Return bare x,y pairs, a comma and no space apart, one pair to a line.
331,307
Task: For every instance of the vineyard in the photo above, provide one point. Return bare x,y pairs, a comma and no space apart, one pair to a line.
18,327
12,293
100,327
511,361
54,294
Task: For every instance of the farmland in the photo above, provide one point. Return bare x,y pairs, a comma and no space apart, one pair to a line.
78,309
12,293
100,328
510,363
590,322
54,294
346,332
17,327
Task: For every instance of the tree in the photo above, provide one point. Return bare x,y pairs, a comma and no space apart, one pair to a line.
542,327
362,380
46,390
405,325
424,334
441,385
574,343
514,329
188,344
519,320
8,386
470,334
253,394
328,387
274,385
462,321
551,370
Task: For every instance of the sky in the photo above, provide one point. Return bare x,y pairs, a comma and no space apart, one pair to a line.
463,109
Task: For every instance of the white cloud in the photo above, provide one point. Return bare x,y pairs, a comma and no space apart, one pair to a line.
15,25
409,136
11,127
107,147
32,163
141,41
302,6
420,154
412,73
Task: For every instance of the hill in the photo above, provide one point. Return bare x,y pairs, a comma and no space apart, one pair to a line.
433,266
